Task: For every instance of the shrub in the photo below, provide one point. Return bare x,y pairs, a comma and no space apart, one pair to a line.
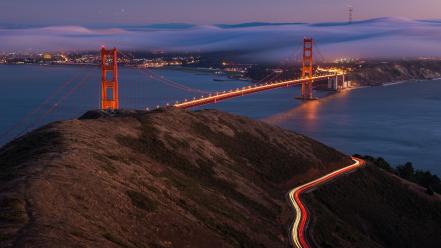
429,191
423,178
141,201
406,171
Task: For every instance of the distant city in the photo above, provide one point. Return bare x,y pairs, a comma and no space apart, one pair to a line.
93,58
147,60
218,63
215,62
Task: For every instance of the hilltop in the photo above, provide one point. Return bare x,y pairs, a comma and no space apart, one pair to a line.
168,178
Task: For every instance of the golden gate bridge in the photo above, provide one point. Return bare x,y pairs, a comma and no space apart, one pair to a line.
110,99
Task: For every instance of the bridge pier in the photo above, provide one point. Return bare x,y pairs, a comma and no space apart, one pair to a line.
307,70
333,83
109,86
338,83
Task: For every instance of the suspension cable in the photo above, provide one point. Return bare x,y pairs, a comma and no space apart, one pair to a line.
160,78
57,104
25,119
323,58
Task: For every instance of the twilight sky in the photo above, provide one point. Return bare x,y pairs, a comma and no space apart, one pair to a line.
95,12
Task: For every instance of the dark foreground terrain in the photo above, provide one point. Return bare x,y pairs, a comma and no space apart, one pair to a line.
174,178
165,179
374,208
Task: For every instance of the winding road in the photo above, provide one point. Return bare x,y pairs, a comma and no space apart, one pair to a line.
299,226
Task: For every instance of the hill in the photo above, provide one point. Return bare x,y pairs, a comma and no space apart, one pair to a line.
173,178
168,178
380,72
373,208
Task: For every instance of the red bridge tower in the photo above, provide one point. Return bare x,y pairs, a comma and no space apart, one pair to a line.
307,69
109,88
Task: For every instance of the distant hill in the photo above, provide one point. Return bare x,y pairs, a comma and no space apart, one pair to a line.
163,179
380,72
161,26
258,24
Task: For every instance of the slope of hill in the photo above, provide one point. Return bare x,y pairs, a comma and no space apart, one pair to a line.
168,178
377,73
373,208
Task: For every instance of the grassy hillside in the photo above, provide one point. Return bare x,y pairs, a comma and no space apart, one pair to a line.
168,178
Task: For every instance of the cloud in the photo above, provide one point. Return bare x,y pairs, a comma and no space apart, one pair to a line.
383,37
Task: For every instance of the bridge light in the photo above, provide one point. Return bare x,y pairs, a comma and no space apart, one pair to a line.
157,106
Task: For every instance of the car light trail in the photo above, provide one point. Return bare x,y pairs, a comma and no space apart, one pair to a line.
298,228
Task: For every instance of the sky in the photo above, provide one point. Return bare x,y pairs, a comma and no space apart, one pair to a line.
382,37
407,28
112,12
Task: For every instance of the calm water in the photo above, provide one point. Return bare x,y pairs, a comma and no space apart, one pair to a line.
399,122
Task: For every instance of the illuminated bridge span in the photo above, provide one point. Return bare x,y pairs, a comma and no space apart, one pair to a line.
110,96
219,96
109,85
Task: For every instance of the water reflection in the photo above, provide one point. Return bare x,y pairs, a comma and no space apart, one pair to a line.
400,122
308,112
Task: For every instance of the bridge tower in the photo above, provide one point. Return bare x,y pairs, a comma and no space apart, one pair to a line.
307,69
109,83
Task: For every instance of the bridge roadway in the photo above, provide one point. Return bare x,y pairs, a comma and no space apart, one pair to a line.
219,96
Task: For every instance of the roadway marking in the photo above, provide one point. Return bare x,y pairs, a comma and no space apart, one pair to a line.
298,228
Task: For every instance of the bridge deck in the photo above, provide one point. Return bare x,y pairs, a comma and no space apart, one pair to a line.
219,96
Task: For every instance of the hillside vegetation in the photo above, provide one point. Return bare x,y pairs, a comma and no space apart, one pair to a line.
379,72
373,208
168,178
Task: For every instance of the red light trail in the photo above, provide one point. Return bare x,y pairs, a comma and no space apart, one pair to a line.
298,229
